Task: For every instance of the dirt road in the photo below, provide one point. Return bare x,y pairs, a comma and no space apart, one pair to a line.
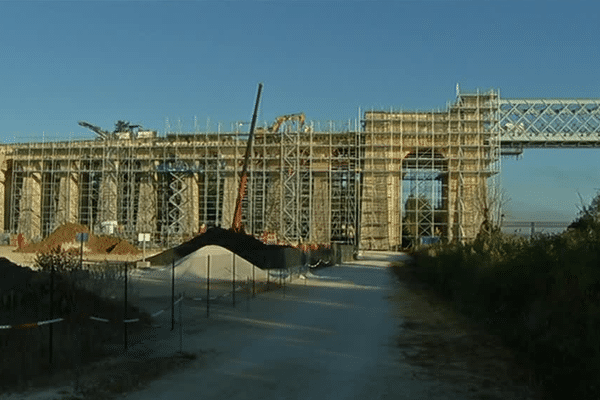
337,340
356,331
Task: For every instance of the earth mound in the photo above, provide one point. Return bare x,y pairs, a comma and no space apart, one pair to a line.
65,236
249,248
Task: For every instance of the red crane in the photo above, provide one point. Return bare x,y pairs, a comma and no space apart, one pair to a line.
236,226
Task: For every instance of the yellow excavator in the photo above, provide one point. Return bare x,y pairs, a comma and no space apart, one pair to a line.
236,226
300,117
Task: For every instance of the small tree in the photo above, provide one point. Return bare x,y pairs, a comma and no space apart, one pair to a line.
490,203
589,216
58,260
62,263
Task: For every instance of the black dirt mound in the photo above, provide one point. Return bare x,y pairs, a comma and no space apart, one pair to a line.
249,248
13,276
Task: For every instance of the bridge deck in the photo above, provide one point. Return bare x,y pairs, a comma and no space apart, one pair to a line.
546,123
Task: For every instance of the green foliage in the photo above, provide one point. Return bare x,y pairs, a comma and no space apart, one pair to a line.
62,261
541,294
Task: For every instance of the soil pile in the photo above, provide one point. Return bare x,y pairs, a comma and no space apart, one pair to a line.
249,248
124,248
65,236
102,244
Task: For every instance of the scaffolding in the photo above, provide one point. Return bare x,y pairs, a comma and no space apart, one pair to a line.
394,178
400,176
426,173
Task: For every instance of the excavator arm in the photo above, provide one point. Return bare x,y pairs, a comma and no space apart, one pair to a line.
120,126
102,133
300,117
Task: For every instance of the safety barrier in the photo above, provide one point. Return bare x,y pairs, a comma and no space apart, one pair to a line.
58,345
30,325
165,309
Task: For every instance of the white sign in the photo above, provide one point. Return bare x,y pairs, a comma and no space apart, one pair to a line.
108,227
143,237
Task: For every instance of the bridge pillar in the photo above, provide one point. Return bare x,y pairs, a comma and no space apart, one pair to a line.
68,199
474,196
146,216
194,207
30,218
451,194
375,209
321,210
108,198
230,190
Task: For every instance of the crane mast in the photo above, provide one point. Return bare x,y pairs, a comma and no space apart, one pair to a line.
237,216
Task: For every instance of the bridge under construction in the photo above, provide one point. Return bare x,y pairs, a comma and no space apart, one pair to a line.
395,177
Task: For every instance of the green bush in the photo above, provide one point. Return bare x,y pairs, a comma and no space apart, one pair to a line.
542,295
58,259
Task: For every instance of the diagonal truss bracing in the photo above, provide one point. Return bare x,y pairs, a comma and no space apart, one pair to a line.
549,122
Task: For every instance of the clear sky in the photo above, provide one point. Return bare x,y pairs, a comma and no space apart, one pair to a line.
149,61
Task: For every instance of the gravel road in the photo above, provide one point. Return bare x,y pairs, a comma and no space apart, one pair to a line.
354,331
327,338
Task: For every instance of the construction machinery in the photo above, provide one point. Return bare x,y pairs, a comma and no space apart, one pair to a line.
237,216
102,133
123,129
299,117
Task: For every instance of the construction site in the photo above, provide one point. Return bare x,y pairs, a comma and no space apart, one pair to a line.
396,177
235,211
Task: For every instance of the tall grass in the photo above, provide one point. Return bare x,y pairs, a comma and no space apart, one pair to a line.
542,295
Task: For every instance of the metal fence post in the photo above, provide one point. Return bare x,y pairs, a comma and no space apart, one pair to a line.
180,323
233,281
173,295
207,285
125,311
51,313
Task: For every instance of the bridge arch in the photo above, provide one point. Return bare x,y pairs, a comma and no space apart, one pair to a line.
424,201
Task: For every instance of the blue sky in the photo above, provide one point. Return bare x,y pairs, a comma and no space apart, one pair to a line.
147,62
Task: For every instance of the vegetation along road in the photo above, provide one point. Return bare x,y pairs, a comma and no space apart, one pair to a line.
357,331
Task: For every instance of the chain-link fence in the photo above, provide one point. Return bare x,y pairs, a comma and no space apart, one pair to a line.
103,308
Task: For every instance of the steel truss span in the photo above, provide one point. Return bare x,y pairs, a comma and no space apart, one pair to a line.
391,179
531,123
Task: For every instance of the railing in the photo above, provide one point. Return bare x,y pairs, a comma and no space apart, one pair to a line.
533,225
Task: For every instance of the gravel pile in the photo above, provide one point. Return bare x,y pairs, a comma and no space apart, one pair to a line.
194,265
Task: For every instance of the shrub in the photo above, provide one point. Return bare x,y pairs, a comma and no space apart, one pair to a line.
542,295
58,259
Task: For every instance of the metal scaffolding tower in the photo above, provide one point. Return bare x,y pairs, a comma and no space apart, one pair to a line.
395,178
